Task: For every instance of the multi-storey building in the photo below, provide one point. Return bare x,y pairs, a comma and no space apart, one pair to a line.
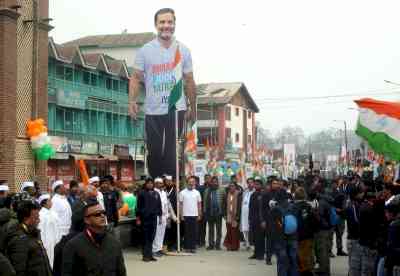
226,117
88,115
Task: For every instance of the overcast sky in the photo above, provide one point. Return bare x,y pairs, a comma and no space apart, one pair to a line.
283,50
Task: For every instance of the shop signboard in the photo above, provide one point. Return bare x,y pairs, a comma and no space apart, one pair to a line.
72,99
121,150
90,148
75,146
126,172
200,169
106,149
59,143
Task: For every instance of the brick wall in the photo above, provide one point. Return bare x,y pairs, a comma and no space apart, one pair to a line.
8,75
23,88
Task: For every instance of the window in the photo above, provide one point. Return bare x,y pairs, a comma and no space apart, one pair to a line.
115,85
237,138
86,78
60,72
69,118
249,115
228,136
228,113
249,139
69,74
124,85
93,79
108,83
237,111
59,118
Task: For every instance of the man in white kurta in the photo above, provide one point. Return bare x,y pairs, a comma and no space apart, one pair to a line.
161,221
95,181
244,219
49,226
61,207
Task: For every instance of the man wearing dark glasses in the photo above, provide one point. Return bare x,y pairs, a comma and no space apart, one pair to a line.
94,251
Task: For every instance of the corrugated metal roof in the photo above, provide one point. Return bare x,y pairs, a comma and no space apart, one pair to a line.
72,54
222,93
113,40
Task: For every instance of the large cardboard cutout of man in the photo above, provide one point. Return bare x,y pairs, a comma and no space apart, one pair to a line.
164,65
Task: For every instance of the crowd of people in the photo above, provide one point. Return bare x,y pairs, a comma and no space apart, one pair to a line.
70,231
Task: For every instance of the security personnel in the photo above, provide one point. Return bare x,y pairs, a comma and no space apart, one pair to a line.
256,221
148,209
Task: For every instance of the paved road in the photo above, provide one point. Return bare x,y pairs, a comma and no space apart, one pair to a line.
211,263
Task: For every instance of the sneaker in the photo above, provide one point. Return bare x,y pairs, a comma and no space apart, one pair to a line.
157,254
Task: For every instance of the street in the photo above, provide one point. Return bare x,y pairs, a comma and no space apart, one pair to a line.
210,263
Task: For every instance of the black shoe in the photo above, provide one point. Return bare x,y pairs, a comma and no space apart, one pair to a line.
260,258
146,260
193,251
210,248
153,259
332,255
252,257
342,253
268,262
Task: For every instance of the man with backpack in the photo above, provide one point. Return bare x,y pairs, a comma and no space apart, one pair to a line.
279,215
323,210
307,226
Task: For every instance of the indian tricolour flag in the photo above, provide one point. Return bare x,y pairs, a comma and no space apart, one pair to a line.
379,124
177,91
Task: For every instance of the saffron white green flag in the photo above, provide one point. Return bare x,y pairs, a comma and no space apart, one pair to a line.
177,90
379,124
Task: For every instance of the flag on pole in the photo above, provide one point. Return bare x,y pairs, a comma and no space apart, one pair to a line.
177,90
379,124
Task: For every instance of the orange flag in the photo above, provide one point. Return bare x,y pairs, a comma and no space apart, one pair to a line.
82,169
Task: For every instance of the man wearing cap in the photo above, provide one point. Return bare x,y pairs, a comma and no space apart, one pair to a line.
49,226
61,206
95,181
29,187
161,220
3,194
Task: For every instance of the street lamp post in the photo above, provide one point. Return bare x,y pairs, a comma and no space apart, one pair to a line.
345,141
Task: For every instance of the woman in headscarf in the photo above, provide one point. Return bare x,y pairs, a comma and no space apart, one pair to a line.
232,217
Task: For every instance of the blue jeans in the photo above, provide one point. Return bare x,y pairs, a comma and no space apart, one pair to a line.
286,254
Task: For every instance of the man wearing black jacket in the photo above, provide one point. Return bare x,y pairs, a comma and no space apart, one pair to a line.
368,241
110,202
339,202
94,251
257,227
322,237
148,209
352,212
25,249
275,207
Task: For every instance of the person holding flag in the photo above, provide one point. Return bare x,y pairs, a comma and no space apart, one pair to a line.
164,65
